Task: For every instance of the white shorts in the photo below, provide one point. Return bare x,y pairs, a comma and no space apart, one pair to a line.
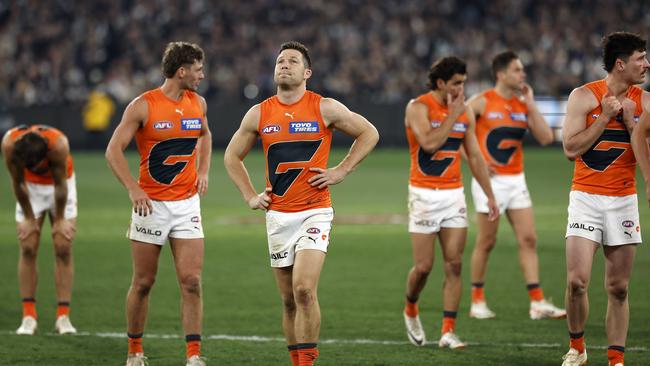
608,220
41,197
432,209
510,192
170,219
289,232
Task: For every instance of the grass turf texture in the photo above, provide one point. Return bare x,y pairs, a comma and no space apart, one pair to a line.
361,290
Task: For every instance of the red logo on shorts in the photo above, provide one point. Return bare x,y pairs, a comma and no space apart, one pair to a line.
638,229
324,237
313,230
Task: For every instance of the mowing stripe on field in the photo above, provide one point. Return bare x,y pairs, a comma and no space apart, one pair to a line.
254,338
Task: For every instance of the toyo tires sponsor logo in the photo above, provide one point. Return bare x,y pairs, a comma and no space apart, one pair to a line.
191,124
304,127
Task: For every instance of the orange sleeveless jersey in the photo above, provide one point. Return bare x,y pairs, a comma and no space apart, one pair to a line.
295,139
51,135
608,167
500,131
440,170
167,146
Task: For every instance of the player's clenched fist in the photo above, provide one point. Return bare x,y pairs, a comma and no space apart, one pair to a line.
610,105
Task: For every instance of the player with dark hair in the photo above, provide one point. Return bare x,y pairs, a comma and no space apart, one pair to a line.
437,124
603,207
171,130
503,115
40,165
295,127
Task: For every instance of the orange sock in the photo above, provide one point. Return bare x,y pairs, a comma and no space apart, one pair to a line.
29,307
293,353
307,354
448,322
411,309
535,292
577,341
477,293
192,345
135,343
615,354
63,308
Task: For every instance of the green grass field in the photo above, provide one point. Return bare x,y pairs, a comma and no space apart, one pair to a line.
361,291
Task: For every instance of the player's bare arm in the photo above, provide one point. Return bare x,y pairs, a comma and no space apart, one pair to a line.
641,149
238,147
58,158
477,103
537,124
204,147
577,139
429,138
134,116
338,116
478,166
28,226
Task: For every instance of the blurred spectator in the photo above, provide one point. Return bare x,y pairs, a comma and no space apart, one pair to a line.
58,51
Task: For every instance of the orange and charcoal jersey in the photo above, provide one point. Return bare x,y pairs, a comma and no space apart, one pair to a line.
440,170
500,131
167,145
51,135
608,168
295,139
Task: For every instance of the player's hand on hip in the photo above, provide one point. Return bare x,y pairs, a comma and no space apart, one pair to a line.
202,184
26,228
63,227
326,177
141,202
261,201
610,105
493,209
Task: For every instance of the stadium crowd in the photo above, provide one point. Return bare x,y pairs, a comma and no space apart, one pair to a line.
362,50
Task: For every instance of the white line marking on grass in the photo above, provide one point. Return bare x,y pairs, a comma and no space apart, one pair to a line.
264,339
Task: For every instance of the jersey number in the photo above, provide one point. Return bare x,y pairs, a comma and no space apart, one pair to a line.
495,141
435,164
162,171
606,149
288,152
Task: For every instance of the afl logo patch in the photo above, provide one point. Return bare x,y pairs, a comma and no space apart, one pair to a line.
313,230
270,129
627,223
494,115
163,125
